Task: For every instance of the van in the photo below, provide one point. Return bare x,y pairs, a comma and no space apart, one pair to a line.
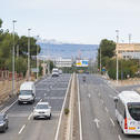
27,93
55,72
127,111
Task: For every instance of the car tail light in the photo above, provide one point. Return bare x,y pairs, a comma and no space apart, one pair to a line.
125,123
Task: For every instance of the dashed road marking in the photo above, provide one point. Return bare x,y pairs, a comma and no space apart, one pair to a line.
30,116
89,95
119,137
22,128
106,109
102,101
112,121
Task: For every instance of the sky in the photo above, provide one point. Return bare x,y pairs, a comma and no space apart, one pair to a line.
74,21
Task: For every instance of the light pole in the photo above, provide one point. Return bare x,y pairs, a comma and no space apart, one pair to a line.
29,54
100,61
13,59
117,63
37,62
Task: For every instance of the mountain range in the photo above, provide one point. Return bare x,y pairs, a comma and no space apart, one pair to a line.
53,49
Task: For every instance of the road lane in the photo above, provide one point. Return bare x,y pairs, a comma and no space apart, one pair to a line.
99,107
21,124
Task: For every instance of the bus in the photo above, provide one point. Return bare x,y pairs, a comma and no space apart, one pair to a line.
127,111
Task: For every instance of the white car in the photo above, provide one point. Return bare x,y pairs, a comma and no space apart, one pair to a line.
42,110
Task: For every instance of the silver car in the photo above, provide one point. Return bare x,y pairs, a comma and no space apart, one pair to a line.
42,110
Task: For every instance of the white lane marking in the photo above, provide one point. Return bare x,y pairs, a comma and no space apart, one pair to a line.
99,94
106,109
40,100
97,122
102,101
22,128
62,109
119,137
112,121
30,116
89,95
79,109
8,107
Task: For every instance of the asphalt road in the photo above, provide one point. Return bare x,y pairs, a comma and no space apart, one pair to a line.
21,124
98,111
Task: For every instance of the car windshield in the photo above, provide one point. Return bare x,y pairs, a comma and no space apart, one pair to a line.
42,106
25,92
134,110
55,70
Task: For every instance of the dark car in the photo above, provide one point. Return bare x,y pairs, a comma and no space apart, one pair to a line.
84,78
3,122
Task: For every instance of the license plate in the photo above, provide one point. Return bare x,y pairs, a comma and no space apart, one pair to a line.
41,112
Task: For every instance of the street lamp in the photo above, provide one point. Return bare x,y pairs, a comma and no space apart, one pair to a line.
37,62
117,63
100,61
13,59
29,54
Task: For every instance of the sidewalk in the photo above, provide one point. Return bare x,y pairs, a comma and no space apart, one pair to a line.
129,82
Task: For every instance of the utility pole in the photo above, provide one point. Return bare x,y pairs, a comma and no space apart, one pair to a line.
13,59
29,54
37,62
100,61
117,63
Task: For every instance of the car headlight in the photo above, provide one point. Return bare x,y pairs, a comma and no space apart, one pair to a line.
2,123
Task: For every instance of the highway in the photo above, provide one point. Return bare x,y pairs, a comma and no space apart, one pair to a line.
21,124
98,111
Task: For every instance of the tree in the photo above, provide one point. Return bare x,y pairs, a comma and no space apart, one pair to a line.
107,51
1,23
23,46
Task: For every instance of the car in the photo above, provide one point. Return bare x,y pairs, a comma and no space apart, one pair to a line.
42,110
84,78
3,122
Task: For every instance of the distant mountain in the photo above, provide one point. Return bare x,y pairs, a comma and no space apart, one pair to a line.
54,49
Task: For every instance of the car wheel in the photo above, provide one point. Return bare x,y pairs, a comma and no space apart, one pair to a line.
7,126
50,116
19,102
34,118
4,129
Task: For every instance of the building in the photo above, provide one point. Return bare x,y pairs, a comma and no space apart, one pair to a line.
61,63
128,51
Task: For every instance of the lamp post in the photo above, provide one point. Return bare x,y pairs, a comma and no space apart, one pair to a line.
117,63
13,59
29,54
100,61
37,62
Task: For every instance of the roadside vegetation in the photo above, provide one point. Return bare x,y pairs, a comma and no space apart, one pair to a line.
127,68
21,51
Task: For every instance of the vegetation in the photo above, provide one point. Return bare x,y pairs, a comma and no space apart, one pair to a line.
21,50
127,68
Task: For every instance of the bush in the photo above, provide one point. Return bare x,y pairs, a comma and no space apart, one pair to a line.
66,111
